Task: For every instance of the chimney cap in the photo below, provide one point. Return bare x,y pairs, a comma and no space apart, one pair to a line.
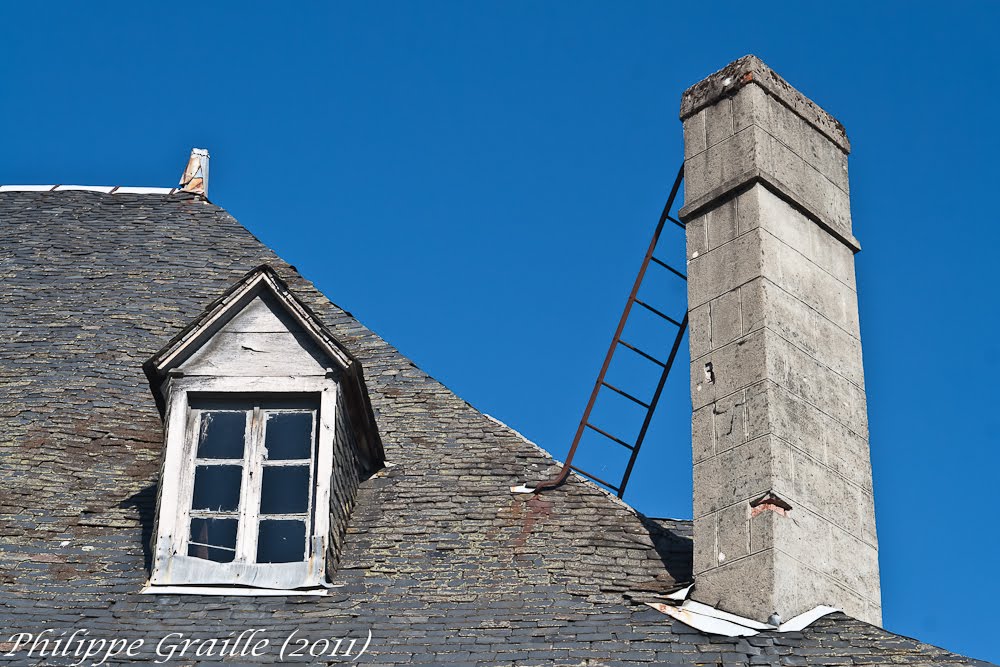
195,176
751,69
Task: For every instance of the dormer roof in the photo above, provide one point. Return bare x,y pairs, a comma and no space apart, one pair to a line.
307,340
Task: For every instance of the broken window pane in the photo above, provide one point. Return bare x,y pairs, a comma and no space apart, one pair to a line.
211,553
281,541
222,435
213,539
217,488
284,490
289,435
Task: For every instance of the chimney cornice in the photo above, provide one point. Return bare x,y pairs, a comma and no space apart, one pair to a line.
751,70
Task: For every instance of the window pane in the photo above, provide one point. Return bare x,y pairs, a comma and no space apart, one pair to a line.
284,490
213,539
281,541
222,435
217,488
289,435
211,553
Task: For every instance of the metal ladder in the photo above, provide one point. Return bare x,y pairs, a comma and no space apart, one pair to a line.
648,405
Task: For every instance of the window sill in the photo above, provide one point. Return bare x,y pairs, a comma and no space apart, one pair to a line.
242,591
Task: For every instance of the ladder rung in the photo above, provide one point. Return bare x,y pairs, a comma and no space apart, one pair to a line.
669,268
610,437
643,354
656,312
595,478
625,394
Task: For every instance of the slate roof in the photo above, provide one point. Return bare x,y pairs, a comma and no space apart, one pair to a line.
441,562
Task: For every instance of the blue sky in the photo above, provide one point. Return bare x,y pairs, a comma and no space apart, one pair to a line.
477,183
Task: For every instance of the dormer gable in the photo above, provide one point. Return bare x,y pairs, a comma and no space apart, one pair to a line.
259,303
263,339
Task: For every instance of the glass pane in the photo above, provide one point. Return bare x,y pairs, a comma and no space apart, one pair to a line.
284,490
217,488
211,553
221,435
213,539
289,435
281,541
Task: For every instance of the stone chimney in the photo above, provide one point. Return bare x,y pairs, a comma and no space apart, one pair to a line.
783,513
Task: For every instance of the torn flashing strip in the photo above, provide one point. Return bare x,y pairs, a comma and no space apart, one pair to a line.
717,622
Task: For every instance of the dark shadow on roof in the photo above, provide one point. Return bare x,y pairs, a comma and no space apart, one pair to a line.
144,502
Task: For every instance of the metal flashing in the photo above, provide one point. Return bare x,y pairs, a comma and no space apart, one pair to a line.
717,622
102,189
707,624
151,589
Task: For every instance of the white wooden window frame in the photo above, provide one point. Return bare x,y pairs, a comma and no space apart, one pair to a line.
252,464
171,564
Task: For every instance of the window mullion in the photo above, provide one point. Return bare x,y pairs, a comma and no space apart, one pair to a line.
249,498
256,465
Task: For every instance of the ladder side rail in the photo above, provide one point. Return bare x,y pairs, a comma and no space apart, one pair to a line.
563,474
652,406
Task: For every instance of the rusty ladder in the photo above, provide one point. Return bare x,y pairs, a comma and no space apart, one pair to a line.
602,384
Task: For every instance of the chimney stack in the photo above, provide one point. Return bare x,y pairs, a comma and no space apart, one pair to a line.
784,517
195,176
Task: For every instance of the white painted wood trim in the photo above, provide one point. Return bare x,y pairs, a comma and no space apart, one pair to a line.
250,384
327,427
151,589
170,482
235,303
237,300
171,564
185,489
246,536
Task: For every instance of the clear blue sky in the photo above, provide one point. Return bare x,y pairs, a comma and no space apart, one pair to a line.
477,183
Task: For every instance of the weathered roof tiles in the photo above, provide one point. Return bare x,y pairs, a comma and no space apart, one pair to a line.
441,562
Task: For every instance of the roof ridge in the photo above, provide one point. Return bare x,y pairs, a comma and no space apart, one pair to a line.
103,189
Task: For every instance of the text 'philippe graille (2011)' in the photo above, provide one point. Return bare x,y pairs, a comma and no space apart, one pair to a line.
81,648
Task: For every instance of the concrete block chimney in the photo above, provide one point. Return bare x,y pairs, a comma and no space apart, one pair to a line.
784,517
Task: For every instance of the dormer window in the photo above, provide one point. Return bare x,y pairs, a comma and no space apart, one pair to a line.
268,431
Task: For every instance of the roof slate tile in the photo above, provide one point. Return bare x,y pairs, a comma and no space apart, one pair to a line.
441,562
